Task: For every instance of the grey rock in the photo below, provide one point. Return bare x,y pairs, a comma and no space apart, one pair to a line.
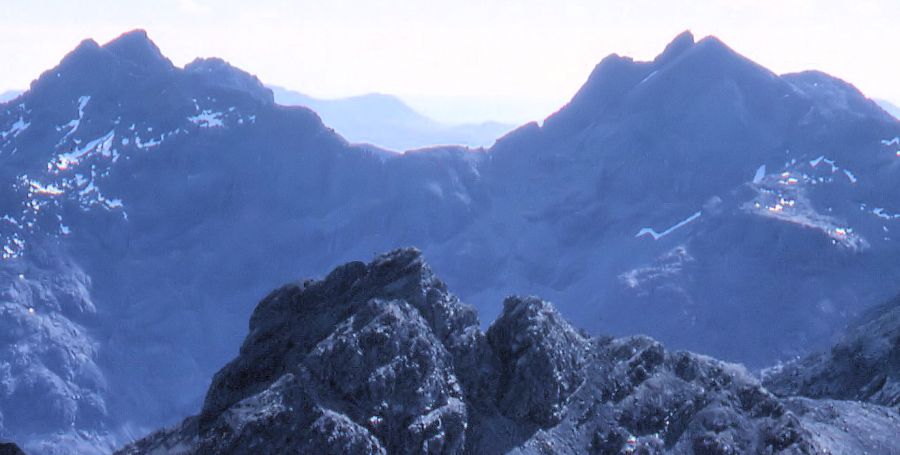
864,365
381,358
50,371
8,448
541,359
182,195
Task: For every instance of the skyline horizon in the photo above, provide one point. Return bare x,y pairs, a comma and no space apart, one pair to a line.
450,109
464,60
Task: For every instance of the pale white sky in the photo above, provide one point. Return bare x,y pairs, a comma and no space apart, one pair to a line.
460,60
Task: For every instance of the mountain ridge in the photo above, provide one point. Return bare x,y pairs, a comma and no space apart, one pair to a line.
380,358
889,107
170,199
385,120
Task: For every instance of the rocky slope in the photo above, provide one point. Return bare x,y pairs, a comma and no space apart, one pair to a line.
381,358
8,448
863,366
691,197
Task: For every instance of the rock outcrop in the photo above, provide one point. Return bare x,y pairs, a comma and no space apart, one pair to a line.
689,198
9,448
863,366
381,358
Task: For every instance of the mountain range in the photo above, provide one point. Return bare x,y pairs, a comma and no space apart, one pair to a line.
383,121
697,198
386,121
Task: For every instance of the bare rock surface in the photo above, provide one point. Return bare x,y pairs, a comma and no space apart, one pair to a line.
381,358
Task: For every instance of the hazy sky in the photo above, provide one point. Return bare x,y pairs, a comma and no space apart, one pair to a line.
461,59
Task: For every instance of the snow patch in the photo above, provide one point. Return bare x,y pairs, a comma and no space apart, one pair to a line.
760,174
75,123
101,145
16,128
650,76
658,235
790,204
49,190
153,142
665,266
881,213
208,119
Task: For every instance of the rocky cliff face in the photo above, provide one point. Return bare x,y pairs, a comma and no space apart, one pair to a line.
864,365
691,197
381,358
8,448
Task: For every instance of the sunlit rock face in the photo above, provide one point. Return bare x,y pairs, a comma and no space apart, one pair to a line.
378,358
696,198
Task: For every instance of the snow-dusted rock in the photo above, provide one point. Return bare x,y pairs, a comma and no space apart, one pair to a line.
185,194
355,364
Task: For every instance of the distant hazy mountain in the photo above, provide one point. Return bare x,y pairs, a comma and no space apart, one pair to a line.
891,108
9,95
698,198
386,121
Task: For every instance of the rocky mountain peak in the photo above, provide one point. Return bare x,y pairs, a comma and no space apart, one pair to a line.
127,64
219,73
290,322
682,43
137,48
184,200
686,71
541,359
134,51
357,367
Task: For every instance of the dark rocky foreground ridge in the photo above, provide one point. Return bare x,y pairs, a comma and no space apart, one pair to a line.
144,207
382,358
8,448
864,365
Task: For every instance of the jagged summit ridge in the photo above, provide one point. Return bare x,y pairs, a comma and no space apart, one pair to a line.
681,44
400,276
219,73
134,62
381,358
136,47
153,181
684,70
133,53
